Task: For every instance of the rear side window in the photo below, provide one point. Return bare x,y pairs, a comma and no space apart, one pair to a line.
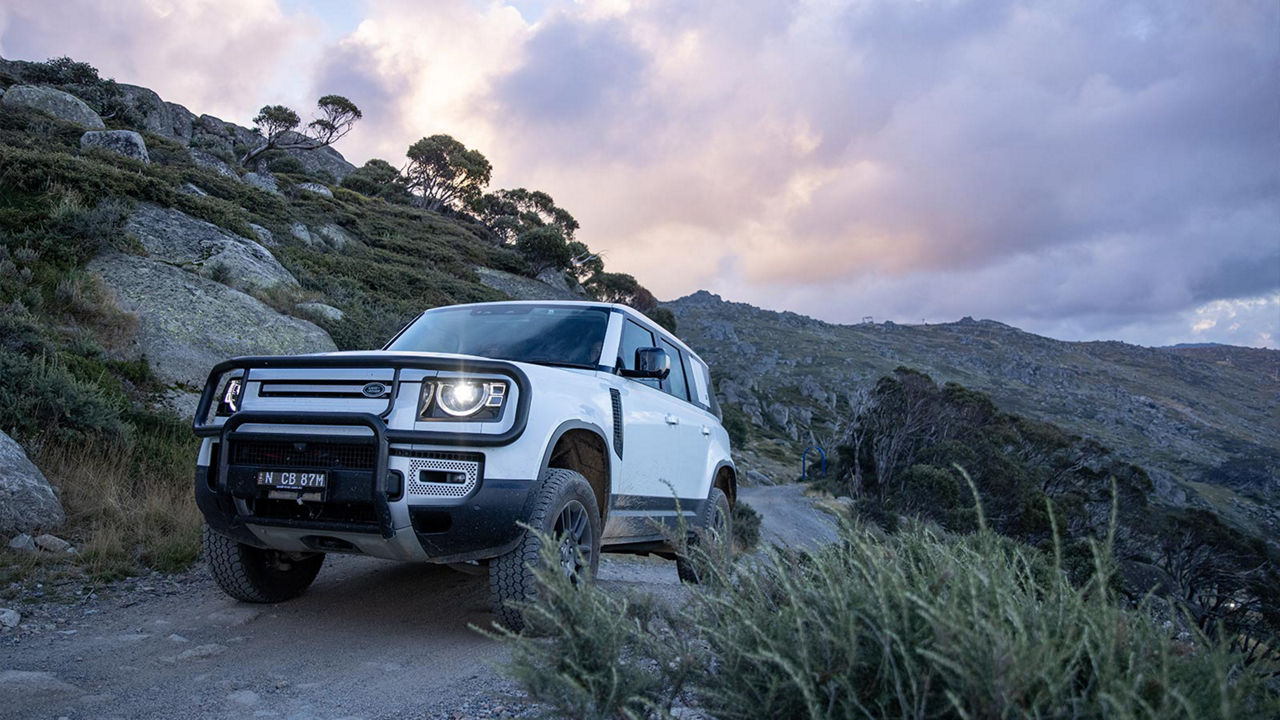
634,337
676,383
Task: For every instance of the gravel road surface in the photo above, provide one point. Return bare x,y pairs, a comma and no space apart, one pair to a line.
371,639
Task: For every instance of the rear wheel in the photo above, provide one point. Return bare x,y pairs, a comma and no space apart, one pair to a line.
565,509
257,575
712,539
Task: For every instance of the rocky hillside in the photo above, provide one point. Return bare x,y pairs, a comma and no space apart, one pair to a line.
136,251
1205,422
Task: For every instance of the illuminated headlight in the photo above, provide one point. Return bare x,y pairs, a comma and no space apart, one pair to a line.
229,400
462,398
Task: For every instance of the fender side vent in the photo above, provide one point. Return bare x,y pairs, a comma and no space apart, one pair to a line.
616,397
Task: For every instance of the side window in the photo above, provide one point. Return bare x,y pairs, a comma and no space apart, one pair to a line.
633,338
675,383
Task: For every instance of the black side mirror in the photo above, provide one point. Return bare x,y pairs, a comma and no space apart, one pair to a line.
651,362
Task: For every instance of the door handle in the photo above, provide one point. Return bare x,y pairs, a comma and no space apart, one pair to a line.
706,430
673,420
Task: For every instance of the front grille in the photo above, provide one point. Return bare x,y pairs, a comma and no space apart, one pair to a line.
283,453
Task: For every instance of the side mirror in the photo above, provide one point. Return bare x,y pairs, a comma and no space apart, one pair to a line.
651,362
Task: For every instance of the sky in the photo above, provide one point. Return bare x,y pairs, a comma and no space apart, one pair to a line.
1082,170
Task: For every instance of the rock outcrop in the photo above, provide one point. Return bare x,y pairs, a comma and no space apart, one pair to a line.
27,501
122,142
57,103
188,323
179,239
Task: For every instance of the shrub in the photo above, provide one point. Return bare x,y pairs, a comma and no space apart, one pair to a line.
918,624
39,395
746,526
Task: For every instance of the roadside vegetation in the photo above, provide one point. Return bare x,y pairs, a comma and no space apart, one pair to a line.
919,623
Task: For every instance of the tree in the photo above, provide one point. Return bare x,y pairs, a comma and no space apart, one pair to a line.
377,178
510,212
544,248
621,288
277,125
444,173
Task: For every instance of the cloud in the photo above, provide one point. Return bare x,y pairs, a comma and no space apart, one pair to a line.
1080,165
1085,169
221,57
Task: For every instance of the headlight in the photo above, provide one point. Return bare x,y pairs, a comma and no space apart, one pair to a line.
229,400
462,398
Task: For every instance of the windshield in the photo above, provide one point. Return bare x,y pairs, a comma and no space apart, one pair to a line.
548,334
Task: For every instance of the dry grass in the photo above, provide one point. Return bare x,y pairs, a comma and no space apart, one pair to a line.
127,508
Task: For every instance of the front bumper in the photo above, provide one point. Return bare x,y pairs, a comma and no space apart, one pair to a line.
367,507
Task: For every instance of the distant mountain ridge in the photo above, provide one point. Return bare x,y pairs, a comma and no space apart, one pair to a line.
1204,421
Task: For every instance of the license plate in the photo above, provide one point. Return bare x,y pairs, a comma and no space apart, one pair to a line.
293,480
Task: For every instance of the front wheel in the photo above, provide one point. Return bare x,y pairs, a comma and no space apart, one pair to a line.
712,539
257,575
565,510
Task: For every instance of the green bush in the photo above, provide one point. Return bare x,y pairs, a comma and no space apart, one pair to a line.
918,624
39,396
746,526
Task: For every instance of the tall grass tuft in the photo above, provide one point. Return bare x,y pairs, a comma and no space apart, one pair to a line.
918,624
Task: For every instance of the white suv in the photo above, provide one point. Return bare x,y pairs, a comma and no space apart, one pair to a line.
586,420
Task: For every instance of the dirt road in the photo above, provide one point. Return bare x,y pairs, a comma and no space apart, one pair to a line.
371,639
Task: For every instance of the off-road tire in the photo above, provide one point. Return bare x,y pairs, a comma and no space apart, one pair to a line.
715,525
256,575
511,576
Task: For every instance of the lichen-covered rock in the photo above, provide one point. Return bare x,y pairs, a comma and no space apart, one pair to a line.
182,121
262,181
187,323
27,501
300,231
321,161
334,236
320,309
57,103
264,235
214,163
122,142
316,188
155,116
519,287
178,239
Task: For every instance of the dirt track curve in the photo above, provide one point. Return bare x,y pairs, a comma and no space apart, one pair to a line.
371,639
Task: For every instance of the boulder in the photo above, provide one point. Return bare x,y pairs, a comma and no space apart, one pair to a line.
52,544
327,312
264,235
262,181
214,163
519,287
154,114
122,142
300,231
187,323
334,236
179,239
321,161
61,105
9,617
316,188
27,501
182,121
23,543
